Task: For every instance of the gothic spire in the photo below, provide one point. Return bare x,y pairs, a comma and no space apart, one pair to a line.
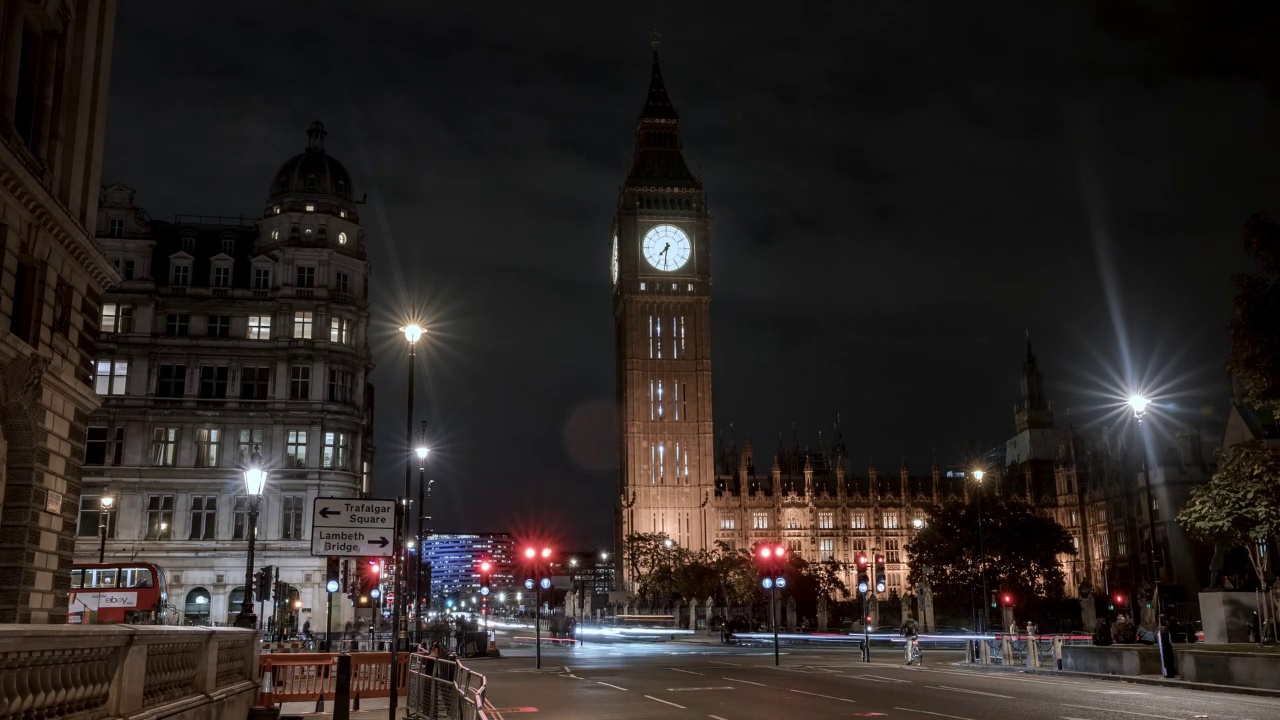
658,161
1033,410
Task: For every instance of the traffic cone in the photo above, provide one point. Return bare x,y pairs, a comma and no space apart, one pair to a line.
266,692
320,703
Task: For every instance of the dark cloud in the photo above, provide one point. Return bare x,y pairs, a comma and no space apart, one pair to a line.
899,192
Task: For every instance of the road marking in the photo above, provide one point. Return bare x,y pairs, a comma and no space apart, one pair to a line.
722,687
615,687
971,692
829,697
1122,712
667,702
686,671
1064,717
744,681
927,712
872,678
721,662
716,717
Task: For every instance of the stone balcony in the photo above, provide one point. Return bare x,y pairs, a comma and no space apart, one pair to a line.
78,672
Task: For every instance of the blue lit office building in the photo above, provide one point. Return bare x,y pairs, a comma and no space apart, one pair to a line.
455,563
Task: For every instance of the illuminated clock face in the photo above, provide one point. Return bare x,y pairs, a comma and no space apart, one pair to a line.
667,248
613,261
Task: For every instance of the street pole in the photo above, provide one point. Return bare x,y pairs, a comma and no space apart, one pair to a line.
103,519
866,628
255,479
537,620
777,611
422,509
982,565
411,333
328,626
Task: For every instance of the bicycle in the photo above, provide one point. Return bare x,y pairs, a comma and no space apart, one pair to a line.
914,656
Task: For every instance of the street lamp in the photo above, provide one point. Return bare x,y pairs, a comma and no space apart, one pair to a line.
412,332
255,478
421,452
917,523
1139,405
103,518
982,555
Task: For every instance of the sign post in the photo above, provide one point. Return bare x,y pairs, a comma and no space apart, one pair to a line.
350,527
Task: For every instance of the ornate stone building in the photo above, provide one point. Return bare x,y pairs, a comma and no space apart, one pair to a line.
55,60
228,335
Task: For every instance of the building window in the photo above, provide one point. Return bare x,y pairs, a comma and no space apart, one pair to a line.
112,375
728,523
249,440
760,521
129,266
1122,544
306,276
91,518
222,277
891,551
275,234
208,445
213,382
860,545
177,324
792,522
891,521
826,521
300,382
858,521
180,275
262,278
160,517
218,326
172,382
336,451
95,446
254,382
340,331
340,386
229,246
276,210
259,327
164,446
204,517
240,518
342,238
291,517
343,282
116,227
295,448
303,320
117,318
311,208
826,548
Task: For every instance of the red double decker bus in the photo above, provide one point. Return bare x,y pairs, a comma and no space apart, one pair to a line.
132,593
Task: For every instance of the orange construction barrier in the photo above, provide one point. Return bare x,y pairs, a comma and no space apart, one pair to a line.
296,677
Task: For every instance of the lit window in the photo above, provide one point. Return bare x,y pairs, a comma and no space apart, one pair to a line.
277,210
275,234
690,287
340,386
342,213
342,238
250,439
891,551
208,443
760,521
891,521
311,208
112,375
826,548
858,521
307,232
792,523
728,523
826,521
336,451
641,286
117,318
259,327
295,448
339,330
302,323
164,446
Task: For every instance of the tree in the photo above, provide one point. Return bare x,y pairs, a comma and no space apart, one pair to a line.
1240,505
1020,548
1255,344
651,559
735,569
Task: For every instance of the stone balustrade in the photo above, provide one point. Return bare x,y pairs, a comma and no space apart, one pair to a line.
85,672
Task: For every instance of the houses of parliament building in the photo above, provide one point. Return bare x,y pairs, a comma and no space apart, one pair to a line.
675,478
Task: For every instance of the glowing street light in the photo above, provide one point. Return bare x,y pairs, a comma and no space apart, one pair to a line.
604,556
667,543
422,453
982,554
255,479
1139,405
917,523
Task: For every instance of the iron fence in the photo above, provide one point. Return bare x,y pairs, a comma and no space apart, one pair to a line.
442,689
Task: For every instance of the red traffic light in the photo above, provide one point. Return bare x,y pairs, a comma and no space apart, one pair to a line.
862,559
879,559
1119,599
766,552
780,552
868,618
1008,599
485,567
530,553
546,553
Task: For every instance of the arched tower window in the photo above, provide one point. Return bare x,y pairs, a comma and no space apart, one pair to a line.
311,182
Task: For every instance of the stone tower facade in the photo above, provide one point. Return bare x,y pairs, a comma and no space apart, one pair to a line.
661,270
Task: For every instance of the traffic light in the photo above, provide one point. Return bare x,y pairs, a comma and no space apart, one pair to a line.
486,569
1120,600
333,574
265,575
880,576
771,561
1008,599
864,582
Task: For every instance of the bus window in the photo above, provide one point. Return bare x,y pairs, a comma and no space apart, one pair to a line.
139,578
77,579
106,578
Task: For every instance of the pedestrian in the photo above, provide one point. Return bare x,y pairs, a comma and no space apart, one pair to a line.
306,629
1102,633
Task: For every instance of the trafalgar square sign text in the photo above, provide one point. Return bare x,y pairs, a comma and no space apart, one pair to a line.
352,528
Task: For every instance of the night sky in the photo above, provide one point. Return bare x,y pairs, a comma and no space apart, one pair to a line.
899,193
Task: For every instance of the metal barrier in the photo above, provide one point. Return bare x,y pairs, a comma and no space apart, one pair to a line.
299,677
442,689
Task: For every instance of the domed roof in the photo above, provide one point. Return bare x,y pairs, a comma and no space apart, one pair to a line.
313,172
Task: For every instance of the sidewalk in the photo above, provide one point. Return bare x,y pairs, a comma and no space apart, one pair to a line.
1137,679
369,709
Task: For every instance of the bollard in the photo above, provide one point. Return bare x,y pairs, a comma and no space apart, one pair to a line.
342,689
984,652
1033,652
1057,652
1168,660
1006,651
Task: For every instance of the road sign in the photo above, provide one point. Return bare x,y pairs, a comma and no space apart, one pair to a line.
528,584
780,582
331,586
546,583
766,583
484,591
349,527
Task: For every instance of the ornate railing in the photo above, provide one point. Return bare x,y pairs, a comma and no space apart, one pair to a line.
77,672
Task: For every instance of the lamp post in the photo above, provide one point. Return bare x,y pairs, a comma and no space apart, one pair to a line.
982,556
255,478
1139,405
412,333
422,511
104,518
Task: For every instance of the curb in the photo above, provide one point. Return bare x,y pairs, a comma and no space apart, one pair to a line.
1136,679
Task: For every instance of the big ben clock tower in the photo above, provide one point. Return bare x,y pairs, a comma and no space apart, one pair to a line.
661,270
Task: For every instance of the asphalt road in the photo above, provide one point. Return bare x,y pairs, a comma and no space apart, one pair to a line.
678,681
